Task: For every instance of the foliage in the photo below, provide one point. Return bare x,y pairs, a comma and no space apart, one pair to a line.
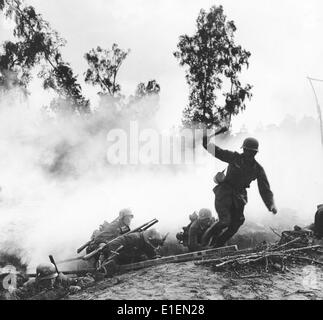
104,66
143,90
38,43
213,59
145,102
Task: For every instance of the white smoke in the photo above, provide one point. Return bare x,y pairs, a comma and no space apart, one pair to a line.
57,186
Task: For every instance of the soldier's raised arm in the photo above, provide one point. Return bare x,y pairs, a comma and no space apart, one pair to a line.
265,191
217,152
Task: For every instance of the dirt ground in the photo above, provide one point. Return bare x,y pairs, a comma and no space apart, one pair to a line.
192,282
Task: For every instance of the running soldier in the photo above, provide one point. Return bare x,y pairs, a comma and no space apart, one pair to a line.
231,193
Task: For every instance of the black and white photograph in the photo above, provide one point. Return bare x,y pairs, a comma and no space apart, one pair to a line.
161,150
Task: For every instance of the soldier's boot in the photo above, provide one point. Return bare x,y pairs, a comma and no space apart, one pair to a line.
228,234
213,242
214,231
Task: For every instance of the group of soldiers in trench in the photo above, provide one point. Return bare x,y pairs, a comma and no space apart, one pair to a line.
202,233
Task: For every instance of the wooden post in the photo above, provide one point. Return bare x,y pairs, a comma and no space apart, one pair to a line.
317,105
191,256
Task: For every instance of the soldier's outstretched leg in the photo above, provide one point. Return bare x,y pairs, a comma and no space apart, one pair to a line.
236,222
224,209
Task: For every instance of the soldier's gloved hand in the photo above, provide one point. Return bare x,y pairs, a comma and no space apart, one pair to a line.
273,209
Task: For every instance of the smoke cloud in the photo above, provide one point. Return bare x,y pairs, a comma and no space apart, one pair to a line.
57,187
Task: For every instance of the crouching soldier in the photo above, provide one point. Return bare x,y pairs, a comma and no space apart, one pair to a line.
182,237
109,231
317,226
50,285
130,248
198,229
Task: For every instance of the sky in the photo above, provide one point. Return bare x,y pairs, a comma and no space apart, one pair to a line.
282,36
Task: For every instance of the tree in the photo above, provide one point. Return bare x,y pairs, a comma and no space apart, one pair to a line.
13,73
38,43
144,103
152,88
104,66
213,59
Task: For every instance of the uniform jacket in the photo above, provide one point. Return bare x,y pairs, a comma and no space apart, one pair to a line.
36,290
318,223
133,242
110,231
240,173
195,233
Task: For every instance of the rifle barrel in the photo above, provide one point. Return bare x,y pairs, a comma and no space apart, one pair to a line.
191,256
75,272
143,227
80,249
52,260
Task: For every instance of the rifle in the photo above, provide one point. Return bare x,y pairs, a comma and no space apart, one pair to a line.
73,273
142,228
85,245
51,258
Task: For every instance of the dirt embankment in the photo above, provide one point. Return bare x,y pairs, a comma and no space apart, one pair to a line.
192,282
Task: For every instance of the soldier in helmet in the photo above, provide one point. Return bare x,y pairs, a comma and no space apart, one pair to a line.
318,222
231,193
134,247
109,231
197,230
182,237
317,226
50,285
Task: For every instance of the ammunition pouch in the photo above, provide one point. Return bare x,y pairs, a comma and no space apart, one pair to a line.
219,177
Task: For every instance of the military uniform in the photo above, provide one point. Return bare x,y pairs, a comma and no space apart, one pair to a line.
317,226
318,222
111,231
182,237
195,234
231,194
134,246
108,232
42,290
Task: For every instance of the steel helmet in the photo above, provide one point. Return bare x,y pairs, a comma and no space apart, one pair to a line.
46,271
320,206
251,144
153,237
205,214
125,213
